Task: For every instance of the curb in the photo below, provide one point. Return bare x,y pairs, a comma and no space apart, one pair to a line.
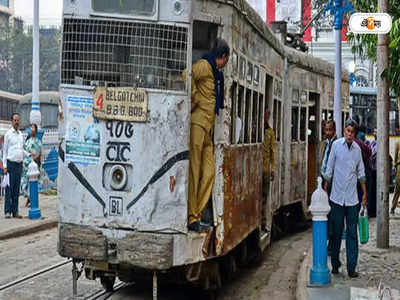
302,277
29,229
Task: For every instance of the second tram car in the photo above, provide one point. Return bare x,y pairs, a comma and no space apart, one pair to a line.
125,129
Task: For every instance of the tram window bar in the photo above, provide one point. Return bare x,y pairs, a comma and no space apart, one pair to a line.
234,103
295,123
241,111
260,117
247,117
254,118
121,53
303,121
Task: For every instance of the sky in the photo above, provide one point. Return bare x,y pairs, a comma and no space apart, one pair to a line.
49,11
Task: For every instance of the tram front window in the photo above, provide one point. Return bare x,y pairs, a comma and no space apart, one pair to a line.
134,7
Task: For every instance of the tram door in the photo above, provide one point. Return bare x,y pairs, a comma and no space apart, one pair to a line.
313,132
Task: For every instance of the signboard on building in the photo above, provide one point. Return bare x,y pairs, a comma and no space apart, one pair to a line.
289,11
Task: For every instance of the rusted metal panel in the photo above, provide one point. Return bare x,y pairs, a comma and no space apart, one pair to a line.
242,170
146,250
298,167
81,242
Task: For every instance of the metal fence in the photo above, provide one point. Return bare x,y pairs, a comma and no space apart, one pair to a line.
123,53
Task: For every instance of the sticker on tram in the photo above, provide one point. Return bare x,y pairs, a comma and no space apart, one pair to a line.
115,208
117,103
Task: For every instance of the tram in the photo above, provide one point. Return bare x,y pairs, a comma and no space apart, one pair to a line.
124,132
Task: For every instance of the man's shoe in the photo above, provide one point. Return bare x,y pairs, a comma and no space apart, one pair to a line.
8,215
335,270
353,274
17,216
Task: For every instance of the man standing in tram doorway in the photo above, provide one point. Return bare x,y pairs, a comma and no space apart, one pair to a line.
345,167
268,157
207,99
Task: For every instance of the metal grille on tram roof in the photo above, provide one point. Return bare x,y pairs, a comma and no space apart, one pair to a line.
122,53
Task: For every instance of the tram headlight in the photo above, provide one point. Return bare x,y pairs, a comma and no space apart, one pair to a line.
119,177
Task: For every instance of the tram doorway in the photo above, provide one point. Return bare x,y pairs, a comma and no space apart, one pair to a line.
314,136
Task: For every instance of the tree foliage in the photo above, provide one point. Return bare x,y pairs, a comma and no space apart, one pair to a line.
16,48
365,45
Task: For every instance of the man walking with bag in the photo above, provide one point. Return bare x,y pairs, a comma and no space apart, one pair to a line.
345,167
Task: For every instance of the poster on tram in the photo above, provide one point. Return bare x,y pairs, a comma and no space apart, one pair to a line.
83,133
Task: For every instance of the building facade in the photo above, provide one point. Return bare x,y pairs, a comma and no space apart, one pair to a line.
6,11
320,40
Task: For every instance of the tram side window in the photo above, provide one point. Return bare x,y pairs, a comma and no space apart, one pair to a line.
303,121
240,111
254,118
277,119
203,35
247,115
295,123
234,101
260,118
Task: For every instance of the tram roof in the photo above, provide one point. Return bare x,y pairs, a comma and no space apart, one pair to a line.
362,91
301,59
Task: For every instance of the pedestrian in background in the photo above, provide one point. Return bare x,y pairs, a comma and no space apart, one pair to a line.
325,148
13,154
345,167
396,164
359,138
372,183
32,146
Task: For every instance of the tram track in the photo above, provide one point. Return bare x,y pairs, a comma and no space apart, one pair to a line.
103,295
33,275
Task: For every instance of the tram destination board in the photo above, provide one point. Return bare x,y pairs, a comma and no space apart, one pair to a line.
120,103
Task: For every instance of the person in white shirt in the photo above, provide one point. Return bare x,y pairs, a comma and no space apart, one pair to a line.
13,154
345,167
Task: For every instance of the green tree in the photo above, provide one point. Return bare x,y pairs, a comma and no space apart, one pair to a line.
16,59
365,45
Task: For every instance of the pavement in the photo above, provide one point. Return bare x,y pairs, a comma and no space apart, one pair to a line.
376,267
11,228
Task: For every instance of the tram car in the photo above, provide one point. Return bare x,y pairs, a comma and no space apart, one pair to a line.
49,155
124,134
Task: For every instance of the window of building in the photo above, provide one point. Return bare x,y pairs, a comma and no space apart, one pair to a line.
5,3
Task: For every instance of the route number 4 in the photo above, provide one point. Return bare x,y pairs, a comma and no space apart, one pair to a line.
100,101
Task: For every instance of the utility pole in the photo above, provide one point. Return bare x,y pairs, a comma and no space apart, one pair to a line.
35,116
337,9
382,104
